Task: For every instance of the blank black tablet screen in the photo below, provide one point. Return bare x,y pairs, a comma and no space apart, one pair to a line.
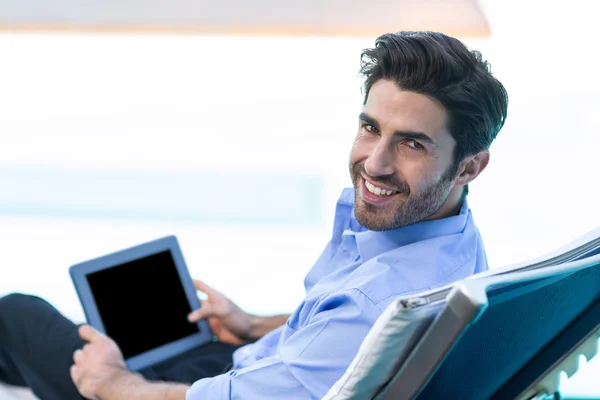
142,303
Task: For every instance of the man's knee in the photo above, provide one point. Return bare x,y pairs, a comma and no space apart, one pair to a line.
17,304
16,300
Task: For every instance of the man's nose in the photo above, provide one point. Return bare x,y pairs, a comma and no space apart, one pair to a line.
380,162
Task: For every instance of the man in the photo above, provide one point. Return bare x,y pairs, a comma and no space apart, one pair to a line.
431,111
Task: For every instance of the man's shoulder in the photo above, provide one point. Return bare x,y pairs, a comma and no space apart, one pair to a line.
415,268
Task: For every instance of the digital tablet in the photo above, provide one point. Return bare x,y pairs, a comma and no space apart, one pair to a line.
141,297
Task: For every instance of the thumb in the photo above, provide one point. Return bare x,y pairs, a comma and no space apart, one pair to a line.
202,313
203,287
89,334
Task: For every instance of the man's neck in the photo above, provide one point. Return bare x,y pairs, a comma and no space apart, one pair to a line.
451,206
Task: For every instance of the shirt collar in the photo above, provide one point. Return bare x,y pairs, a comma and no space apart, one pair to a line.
373,243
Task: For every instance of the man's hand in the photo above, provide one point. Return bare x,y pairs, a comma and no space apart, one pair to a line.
98,364
228,322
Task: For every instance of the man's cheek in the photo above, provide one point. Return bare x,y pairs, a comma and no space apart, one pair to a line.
360,151
418,175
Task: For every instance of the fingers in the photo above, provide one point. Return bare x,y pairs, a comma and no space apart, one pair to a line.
203,287
203,312
75,374
89,334
215,326
78,356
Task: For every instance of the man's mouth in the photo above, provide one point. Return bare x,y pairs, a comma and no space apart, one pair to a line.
376,195
379,191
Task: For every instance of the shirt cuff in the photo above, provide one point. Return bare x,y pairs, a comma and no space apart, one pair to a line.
217,388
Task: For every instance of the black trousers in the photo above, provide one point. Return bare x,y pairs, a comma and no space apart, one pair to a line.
37,345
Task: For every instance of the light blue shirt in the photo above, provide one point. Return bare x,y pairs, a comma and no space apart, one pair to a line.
357,276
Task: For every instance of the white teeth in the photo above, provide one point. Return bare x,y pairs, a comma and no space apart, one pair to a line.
377,191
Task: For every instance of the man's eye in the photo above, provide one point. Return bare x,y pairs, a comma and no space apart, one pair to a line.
369,128
414,145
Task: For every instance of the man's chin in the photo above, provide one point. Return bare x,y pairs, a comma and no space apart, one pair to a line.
374,218
375,225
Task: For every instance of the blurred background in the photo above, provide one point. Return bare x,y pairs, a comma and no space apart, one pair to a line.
229,125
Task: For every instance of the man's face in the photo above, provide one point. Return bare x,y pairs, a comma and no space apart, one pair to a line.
402,162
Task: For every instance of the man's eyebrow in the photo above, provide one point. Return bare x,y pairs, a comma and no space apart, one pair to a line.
364,117
421,136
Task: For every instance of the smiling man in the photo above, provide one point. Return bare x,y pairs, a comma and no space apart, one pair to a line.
431,111
402,163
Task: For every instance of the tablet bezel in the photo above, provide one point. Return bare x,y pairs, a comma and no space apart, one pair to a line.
78,274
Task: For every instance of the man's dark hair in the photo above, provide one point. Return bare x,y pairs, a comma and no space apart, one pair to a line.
442,68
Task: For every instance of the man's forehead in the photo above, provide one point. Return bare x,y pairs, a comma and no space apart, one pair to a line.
396,109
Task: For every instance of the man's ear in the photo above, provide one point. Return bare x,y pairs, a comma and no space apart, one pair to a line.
472,166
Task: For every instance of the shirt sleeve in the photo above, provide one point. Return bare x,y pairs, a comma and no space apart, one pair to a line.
309,359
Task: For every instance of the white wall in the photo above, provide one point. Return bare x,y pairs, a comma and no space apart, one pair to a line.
220,106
